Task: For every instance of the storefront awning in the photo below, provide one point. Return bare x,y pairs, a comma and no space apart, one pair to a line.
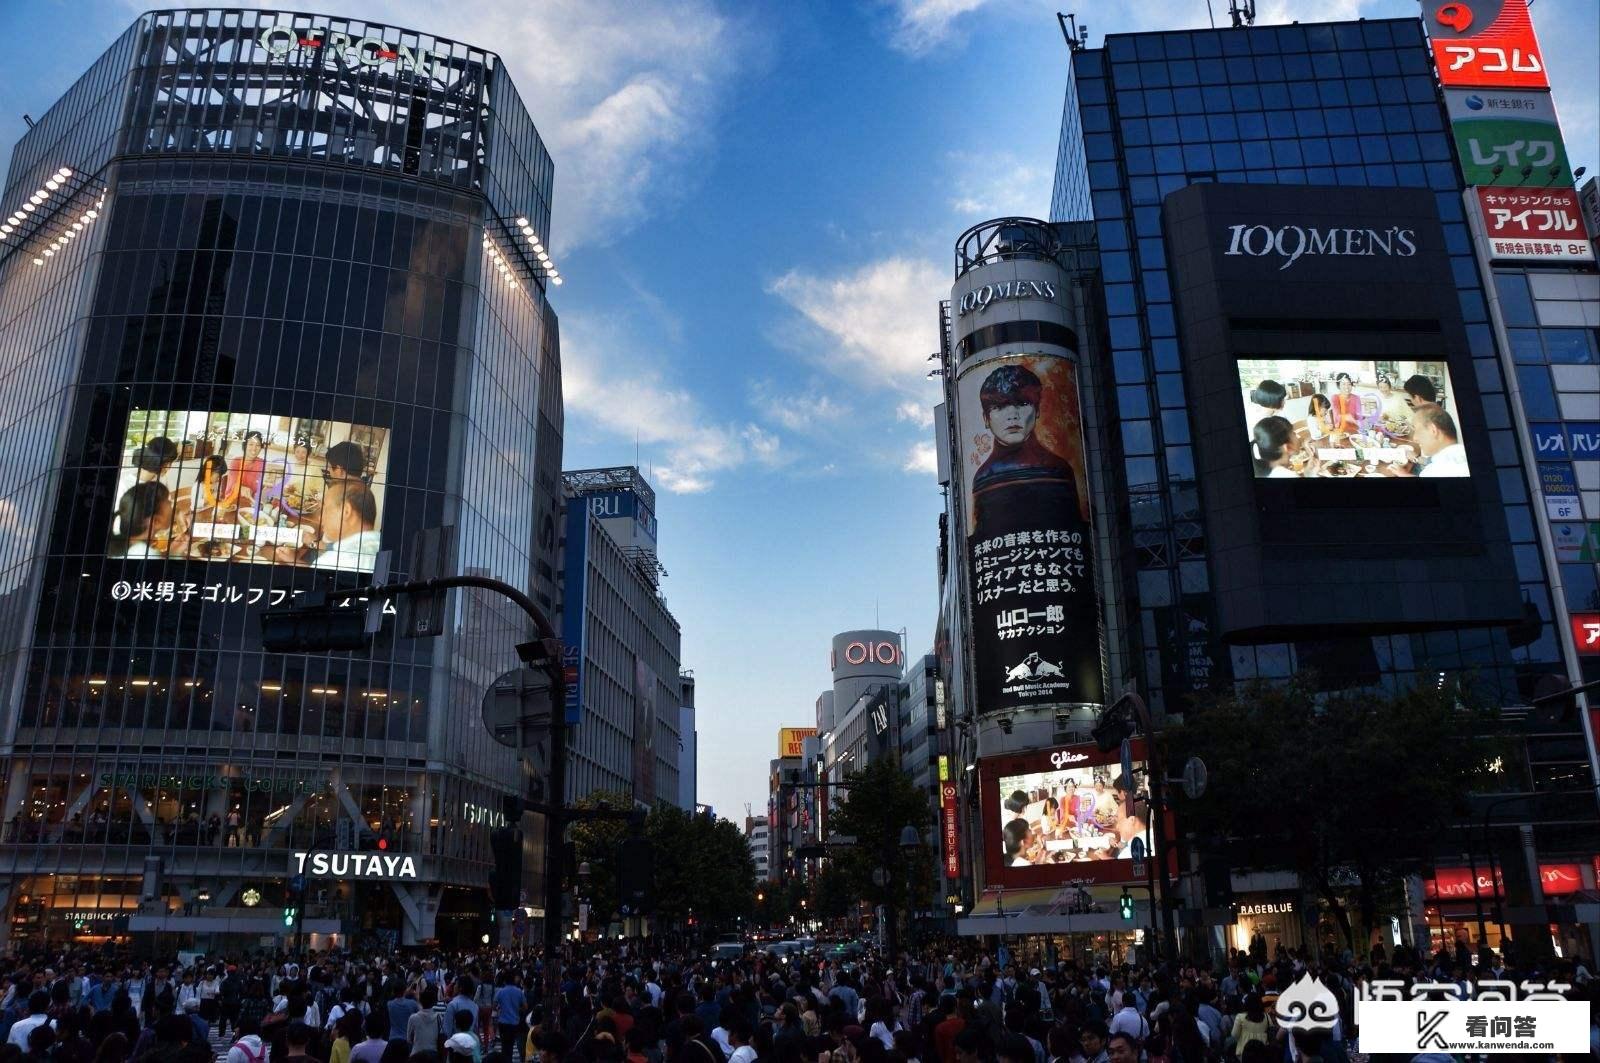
1047,911
1016,902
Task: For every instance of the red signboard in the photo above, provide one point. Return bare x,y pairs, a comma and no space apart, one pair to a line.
1537,223
1557,879
1455,883
1475,47
952,837
1586,633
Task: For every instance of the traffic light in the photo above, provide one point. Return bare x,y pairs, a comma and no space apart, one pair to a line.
1126,906
288,916
636,870
314,628
505,880
1117,722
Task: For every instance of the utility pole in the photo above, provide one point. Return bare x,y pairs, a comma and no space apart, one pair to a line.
321,627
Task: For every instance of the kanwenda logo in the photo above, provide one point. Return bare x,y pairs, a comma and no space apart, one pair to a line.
1293,242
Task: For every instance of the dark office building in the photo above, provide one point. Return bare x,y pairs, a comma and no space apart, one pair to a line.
1335,106
274,293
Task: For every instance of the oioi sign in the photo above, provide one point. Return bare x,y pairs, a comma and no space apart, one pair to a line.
362,51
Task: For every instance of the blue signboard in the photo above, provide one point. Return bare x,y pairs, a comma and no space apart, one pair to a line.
1585,439
575,606
1549,441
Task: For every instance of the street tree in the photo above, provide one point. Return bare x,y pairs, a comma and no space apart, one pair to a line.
879,802
1350,789
702,865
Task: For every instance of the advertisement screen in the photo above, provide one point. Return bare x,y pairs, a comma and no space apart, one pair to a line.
1070,814
249,487
1030,542
1334,418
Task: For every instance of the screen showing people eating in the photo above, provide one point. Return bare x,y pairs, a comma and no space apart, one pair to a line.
1340,418
250,487
1071,814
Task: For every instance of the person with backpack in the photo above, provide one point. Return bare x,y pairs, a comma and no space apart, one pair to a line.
249,1048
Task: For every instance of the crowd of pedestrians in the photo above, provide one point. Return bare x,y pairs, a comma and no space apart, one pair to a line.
633,1003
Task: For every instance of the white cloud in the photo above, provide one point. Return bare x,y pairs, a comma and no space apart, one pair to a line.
999,183
918,413
621,93
797,412
879,322
921,459
685,447
922,25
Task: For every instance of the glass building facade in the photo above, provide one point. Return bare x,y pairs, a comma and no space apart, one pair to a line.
1346,104
266,243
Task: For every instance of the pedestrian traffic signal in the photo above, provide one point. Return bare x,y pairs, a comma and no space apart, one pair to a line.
288,916
317,628
1126,906
505,880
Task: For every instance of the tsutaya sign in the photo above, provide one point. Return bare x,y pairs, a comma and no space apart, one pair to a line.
365,51
373,866
1291,242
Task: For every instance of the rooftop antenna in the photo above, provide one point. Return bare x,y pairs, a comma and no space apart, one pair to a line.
1077,36
1243,12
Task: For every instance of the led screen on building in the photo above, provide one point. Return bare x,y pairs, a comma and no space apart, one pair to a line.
1054,815
1067,815
249,487
1030,542
1340,418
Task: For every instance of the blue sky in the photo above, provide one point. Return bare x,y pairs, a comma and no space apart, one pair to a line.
755,211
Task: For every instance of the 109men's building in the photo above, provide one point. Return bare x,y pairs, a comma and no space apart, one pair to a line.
273,289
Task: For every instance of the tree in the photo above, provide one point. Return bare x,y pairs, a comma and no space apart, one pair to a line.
880,801
700,863
1350,789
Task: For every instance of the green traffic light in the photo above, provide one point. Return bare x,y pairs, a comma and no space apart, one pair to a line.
1127,905
288,917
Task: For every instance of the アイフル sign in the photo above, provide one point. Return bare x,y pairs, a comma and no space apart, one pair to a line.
1542,224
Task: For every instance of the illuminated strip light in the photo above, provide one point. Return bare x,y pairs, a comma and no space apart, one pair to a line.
35,200
546,263
72,229
497,257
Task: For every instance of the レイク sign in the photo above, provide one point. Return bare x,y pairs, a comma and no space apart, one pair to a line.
372,866
363,51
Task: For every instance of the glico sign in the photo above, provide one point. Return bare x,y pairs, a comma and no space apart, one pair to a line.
365,51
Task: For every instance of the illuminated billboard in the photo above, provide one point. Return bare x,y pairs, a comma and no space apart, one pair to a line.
1343,418
1487,44
251,488
792,740
1030,540
1063,814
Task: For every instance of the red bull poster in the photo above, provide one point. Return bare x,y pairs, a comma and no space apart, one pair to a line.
1030,540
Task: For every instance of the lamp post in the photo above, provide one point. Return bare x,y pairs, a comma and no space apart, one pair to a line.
910,842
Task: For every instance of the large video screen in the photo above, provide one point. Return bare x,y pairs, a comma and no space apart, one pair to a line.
1333,418
1069,815
249,487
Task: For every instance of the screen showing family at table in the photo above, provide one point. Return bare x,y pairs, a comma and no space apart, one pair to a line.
1069,815
249,487
1332,418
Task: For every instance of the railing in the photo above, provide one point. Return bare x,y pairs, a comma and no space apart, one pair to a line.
1005,238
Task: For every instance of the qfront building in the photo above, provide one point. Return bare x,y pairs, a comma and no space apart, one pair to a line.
1241,411
274,300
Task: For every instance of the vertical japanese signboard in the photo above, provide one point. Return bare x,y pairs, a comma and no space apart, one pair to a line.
1030,542
950,826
